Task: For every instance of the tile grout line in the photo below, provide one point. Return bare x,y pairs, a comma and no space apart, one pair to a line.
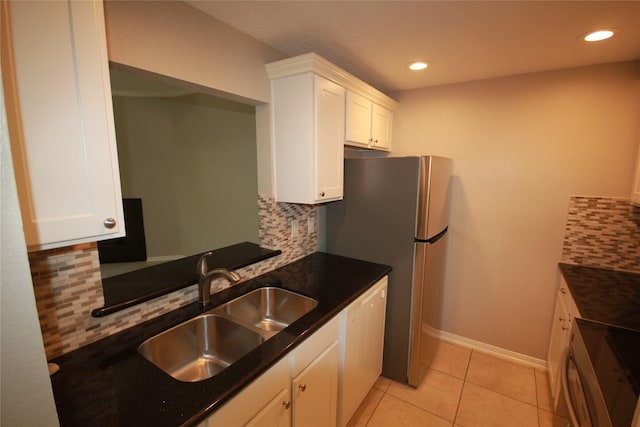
464,383
500,393
417,407
376,407
465,380
535,382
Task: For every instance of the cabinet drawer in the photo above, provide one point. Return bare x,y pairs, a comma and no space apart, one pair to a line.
314,345
253,398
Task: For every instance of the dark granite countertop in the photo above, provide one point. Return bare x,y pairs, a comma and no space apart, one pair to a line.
606,296
108,383
609,306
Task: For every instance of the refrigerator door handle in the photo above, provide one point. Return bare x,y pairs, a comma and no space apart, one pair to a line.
435,238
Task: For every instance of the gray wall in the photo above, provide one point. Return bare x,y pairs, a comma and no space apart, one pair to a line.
192,160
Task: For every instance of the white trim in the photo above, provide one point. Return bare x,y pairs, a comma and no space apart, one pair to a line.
502,353
312,62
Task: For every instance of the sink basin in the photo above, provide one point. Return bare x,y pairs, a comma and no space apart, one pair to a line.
199,348
205,345
268,308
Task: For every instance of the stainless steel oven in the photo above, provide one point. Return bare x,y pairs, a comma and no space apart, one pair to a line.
600,379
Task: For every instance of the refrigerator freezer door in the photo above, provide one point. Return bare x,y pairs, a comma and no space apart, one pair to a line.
433,209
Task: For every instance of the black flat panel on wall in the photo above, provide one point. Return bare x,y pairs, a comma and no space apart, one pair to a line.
132,247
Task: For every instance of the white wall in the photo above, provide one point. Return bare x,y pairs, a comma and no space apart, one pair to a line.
174,39
26,397
521,146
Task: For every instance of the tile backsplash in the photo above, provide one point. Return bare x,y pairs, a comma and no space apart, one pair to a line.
602,232
68,284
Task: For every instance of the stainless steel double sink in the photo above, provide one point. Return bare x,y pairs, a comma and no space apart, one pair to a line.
205,345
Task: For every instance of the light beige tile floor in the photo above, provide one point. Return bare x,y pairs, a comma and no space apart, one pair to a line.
464,387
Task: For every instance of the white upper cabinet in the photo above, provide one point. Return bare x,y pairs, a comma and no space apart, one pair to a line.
635,188
368,125
309,105
308,125
56,79
358,120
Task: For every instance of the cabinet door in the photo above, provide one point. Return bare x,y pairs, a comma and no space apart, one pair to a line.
315,391
263,402
358,120
558,345
381,128
635,188
61,123
277,413
329,144
308,127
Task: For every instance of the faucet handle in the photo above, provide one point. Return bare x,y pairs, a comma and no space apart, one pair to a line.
202,266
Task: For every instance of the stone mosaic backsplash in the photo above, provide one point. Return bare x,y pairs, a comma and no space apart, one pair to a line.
602,232
68,284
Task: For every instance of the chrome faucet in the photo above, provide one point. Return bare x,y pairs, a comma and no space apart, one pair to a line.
205,277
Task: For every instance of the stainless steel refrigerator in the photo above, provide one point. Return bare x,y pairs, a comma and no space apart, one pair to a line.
395,212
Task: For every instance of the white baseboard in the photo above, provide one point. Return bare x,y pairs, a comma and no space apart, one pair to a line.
502,353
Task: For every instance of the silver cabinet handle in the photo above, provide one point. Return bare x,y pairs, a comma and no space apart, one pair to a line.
109,223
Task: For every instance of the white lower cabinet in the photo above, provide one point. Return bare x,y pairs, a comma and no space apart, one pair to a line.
264,402
362,339
315,391
276,413
322,381
565,312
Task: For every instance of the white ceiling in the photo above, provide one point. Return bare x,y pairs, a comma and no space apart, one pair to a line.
463,40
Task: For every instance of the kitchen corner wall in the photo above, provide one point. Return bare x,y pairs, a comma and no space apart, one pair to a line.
68,284
602,232
521,147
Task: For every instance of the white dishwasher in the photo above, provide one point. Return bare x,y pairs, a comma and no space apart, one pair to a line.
362,337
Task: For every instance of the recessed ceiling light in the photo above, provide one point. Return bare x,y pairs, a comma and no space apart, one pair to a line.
417,65
599,35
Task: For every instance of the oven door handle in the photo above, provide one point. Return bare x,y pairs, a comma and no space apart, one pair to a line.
565,389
